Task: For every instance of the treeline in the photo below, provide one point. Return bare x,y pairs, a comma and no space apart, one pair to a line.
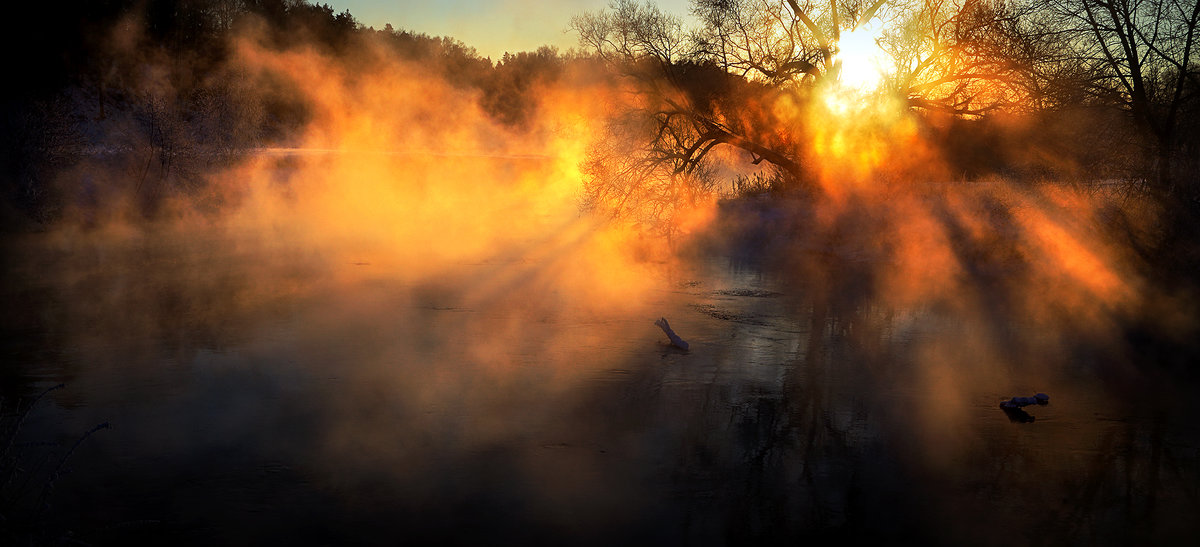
1043,90
145,88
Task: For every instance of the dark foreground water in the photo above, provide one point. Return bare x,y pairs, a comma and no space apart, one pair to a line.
279,399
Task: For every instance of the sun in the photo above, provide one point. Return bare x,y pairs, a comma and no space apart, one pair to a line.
863,61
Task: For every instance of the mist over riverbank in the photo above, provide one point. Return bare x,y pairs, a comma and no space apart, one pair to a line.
328,284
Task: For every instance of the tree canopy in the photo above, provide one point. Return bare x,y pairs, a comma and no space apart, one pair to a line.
787,82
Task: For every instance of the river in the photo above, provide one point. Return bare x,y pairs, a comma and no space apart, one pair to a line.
266,395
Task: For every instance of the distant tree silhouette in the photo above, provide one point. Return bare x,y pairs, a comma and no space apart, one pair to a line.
1144,56
509,94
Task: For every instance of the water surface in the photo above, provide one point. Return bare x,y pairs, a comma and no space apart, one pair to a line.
258,394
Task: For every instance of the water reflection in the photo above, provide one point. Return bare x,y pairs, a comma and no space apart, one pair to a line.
284,398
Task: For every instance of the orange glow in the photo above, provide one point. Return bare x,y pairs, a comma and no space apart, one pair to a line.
858,139
403,171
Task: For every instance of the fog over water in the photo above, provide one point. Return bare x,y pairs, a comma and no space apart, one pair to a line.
416,335
260,389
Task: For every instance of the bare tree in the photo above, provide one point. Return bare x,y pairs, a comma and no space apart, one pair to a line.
964,57
1142,56
702,89
685,107
779,41
720,84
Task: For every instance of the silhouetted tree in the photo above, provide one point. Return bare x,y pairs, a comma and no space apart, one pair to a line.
721,83
1142,55
963,57
510,94
689,103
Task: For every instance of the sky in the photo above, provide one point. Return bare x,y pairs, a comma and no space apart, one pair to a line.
491,27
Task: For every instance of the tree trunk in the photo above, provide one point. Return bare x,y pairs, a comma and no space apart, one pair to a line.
1164,186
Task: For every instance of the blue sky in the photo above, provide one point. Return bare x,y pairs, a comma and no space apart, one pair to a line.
491,27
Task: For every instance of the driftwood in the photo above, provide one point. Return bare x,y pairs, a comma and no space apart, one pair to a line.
675,339
1012,407
1018,402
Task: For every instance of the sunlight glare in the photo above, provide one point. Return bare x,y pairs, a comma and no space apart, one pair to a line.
863,62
